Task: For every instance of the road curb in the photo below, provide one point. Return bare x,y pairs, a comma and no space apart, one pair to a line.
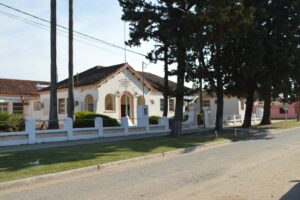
100,167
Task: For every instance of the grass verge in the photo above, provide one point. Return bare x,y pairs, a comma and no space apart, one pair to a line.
17,165
282,124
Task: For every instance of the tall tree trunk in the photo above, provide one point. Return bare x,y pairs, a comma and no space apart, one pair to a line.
220,104
249,107
200,77
177,123
166,83
219,92
53,118
71,79
267,109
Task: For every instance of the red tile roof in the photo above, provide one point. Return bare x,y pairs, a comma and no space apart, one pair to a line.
20,87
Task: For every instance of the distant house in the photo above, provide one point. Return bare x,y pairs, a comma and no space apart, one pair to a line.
108,90
279,110
15,95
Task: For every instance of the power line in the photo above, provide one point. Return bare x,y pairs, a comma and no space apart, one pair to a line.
60,32
74,31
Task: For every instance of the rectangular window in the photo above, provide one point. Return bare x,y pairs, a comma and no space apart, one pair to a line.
3,107
171,105
161,104
283,111
37,106
206,103
17,108
61,106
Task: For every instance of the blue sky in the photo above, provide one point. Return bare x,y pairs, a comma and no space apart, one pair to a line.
25,49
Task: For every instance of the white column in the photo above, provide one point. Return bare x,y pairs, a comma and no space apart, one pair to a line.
165,122
234,119
68,126
125,124
206,118
143,117
99,126
30,130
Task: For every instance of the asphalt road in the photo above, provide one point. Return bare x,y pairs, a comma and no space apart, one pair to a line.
263,168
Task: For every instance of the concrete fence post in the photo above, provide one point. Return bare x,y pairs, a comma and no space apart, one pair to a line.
165,122
125,124
30,130
234,119
68,126
206,118
99,126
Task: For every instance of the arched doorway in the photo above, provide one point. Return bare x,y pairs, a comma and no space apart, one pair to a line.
127,99
89,103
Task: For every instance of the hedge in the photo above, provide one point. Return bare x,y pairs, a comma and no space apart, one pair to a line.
87,119
153,119
13,122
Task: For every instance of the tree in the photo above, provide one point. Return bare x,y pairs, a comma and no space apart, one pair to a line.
166,23
281,43
53,118
250,50
71,79
226,23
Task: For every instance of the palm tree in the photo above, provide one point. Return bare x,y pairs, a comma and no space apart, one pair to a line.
53,118
71,79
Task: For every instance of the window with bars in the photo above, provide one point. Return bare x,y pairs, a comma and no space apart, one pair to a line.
161,104
37,106
206,103
3,107
61,106
171,105
17,108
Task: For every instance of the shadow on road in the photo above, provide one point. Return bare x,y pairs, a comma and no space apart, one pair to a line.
294,193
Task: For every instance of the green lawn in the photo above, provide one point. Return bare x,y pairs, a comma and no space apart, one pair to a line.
19,165
281,124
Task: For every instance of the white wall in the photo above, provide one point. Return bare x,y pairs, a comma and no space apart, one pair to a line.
79,96
232,106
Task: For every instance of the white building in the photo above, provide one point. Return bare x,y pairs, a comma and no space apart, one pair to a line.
233,106
15,95
107,91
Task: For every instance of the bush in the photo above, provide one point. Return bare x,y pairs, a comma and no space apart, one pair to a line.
153,119
185,117
87,119
13,122
200,120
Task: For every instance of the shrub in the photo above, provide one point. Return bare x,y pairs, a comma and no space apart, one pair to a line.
153,119
87,119
185,117
200,120
13,122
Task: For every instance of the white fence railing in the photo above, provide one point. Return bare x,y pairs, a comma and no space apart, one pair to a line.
237,119
33,136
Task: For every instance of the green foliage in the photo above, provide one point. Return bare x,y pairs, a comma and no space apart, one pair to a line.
185,117
200,119
13,122
86,119
153,119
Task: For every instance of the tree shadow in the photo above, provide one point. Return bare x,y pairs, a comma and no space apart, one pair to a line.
294,193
